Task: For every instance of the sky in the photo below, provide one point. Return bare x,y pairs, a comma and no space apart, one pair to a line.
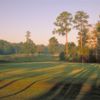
38,17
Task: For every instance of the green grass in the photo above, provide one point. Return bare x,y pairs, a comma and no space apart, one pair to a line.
47,80
27,58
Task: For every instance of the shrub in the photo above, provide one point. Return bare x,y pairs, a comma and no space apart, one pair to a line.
62,56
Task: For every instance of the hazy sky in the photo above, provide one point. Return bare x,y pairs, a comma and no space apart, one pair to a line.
38,16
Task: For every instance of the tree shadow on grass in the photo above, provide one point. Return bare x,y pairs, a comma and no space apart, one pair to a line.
93,94
61,91
70,91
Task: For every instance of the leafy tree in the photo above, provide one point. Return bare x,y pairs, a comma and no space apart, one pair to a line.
62,56
29,45
19,47
40,49
81,24
53,45
98,26
63,26
91,44
28,35
91,41
98,41
6,48
72,51
61,48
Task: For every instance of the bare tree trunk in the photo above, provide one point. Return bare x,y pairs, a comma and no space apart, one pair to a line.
66,45
81,48
96,55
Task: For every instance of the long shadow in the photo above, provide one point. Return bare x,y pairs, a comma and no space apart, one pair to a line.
94,93
13,81
64,90
7,84
70,90
20,91
61,91
49,93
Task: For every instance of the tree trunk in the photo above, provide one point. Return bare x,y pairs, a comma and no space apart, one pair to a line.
81,48
66,45
98,50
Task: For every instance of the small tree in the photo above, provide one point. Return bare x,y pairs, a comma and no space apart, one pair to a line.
28,33
53,45
72,51
40,48
62,56
29,46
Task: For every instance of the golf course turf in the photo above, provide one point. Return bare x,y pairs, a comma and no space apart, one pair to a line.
49,81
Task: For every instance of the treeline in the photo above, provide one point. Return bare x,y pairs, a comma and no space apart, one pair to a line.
54,48
29,47
87,50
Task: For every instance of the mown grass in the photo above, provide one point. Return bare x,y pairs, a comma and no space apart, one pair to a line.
47,80
27,58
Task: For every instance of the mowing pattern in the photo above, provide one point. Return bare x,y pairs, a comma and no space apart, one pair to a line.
49,81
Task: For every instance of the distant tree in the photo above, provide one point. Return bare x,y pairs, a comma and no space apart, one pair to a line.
40,49
19,47
53,45
72,51
28,34
61,48
29,45
63,26
6,48
46,51
81,24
